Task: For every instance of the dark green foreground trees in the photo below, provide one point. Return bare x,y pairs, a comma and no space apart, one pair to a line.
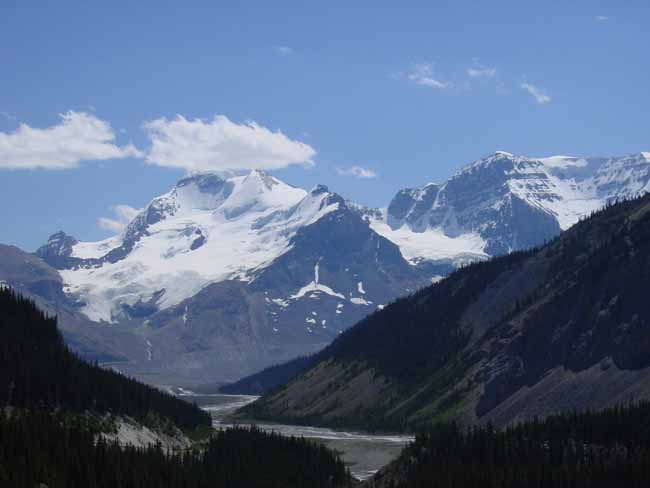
36,447
593,449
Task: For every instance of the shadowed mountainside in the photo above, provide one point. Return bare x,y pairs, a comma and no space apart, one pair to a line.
555,328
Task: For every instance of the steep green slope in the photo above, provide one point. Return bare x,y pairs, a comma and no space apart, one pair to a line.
39,371
553,328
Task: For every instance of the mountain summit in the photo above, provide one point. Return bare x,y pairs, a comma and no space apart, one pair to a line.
206,229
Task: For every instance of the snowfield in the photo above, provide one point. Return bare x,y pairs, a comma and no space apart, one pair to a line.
431,244
244,229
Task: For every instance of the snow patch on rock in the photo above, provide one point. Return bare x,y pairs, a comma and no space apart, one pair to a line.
315,286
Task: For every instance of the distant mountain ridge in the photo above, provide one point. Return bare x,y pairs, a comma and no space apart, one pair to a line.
503,203
222,276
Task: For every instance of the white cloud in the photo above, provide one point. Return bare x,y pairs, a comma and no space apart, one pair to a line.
220,144
536,93
602,18
422,74
123,214
479,71
283,50
78,137
357,172
7,115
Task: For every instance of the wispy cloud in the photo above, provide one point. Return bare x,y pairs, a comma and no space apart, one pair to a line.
283,50
220,144
123,214
601,18
422,74
478,70
536,92
7,115
357,172
79,136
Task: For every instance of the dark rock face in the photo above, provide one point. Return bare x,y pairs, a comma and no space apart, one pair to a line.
481,200
517,225
412,205
347,250
208,183
143,309
319,190
57,250
198,241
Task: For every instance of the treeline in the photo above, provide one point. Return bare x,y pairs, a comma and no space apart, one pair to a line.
38,447
37,370
592,449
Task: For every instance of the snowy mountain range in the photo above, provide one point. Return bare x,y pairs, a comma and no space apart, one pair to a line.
504,203
220,277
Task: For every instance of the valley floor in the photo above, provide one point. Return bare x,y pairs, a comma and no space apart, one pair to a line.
364,453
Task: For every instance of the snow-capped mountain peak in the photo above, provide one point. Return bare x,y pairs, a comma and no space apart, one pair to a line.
259,192
206,229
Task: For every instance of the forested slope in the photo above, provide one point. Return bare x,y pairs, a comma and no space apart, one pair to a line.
39,371
38,447
590,449
554,328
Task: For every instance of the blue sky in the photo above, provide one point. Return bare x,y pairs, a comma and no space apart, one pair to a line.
408,91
